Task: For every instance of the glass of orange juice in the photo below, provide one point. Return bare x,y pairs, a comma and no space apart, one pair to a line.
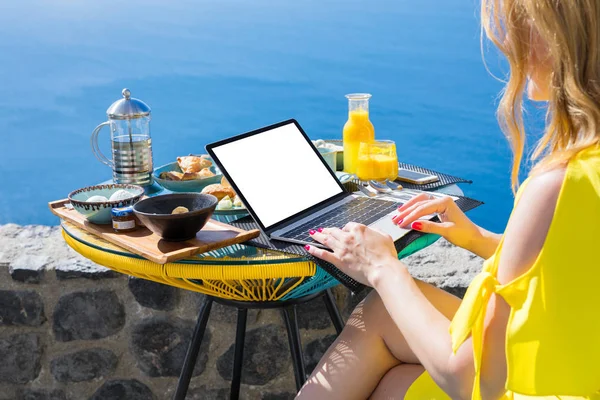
377,160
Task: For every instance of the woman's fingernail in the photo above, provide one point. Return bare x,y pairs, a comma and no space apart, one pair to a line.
311,232
307,247
320,230
400,221
417,226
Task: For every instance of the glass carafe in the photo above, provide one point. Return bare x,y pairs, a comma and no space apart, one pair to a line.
358,129
131,144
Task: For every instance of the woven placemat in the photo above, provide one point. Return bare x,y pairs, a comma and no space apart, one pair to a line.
444,179
247,223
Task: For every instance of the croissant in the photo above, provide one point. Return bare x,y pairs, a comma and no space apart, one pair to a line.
205,173
171,176
191,164
219,191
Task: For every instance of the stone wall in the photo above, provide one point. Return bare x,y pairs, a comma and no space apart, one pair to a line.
70,329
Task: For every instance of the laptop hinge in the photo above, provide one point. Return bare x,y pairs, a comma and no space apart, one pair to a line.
310,212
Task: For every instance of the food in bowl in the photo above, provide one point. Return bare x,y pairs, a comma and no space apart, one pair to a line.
191,164
180,210
188,174
192,167
156,213
96,199
93,202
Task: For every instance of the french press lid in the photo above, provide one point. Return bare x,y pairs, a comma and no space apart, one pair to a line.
128,107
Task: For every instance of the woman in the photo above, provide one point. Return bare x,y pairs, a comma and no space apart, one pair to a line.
529,325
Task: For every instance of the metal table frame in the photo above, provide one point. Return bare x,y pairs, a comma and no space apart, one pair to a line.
289,311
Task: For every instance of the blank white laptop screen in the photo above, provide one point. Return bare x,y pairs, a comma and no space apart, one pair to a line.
278,173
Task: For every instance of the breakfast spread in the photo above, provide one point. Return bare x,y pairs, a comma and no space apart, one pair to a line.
192,168
228,199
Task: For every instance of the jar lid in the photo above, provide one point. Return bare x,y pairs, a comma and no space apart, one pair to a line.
122,211
128,107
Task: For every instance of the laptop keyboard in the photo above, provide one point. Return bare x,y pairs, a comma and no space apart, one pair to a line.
362,210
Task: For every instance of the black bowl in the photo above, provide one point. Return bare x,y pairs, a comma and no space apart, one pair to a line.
155,214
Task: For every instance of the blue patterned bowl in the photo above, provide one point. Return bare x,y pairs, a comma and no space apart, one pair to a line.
195,185
99,212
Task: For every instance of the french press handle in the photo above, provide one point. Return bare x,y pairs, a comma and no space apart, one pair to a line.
96,148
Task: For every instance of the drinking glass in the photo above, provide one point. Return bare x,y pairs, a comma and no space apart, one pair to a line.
377,160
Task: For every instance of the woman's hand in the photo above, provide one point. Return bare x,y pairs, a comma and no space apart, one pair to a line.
455,226
358,251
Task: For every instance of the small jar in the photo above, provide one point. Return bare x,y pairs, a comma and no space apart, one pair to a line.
123,219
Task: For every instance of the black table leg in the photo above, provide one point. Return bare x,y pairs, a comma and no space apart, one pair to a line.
291,324
238,358
334,313
192,353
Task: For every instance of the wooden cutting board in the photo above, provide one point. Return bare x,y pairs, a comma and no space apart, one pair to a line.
143,242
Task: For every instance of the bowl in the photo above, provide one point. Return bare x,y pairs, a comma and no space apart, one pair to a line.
195,185
155,214
99,212
330,157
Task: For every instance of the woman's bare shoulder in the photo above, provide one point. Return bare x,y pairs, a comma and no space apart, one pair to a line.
529,223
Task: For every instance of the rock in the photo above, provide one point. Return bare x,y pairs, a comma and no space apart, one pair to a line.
21,308
222,313
153,294
160,344
203,393
313,315
315,350
21,355
82,268
4,260
31,394
28,268
445,266
279,396
84,365
123,390
266,356
93,314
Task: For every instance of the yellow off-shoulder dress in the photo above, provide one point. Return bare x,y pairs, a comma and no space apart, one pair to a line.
553,333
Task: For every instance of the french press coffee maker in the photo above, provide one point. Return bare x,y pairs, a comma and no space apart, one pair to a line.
129,122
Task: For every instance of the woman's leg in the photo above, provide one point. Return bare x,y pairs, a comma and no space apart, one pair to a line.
396,381
369,346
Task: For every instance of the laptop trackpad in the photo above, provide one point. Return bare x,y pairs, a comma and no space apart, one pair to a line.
386,225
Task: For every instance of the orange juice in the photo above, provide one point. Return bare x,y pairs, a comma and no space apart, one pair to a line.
378,167
357,129
377,160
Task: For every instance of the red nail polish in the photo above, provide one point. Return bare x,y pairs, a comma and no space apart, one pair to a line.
307,247
311,232
400,221
417,226
320,230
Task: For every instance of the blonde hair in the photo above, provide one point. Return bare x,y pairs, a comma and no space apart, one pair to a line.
571,31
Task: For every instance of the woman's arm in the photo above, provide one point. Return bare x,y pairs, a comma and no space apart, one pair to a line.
368,256
426,329
455,226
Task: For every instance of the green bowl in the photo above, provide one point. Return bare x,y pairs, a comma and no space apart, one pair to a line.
195,185
98,212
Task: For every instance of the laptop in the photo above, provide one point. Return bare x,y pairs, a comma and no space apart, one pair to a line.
288,188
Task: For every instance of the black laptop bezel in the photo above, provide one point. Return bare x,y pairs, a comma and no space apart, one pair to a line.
325,203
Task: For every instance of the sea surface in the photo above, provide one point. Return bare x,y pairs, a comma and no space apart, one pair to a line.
212,69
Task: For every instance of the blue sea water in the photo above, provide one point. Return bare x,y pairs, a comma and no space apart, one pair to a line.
211,69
